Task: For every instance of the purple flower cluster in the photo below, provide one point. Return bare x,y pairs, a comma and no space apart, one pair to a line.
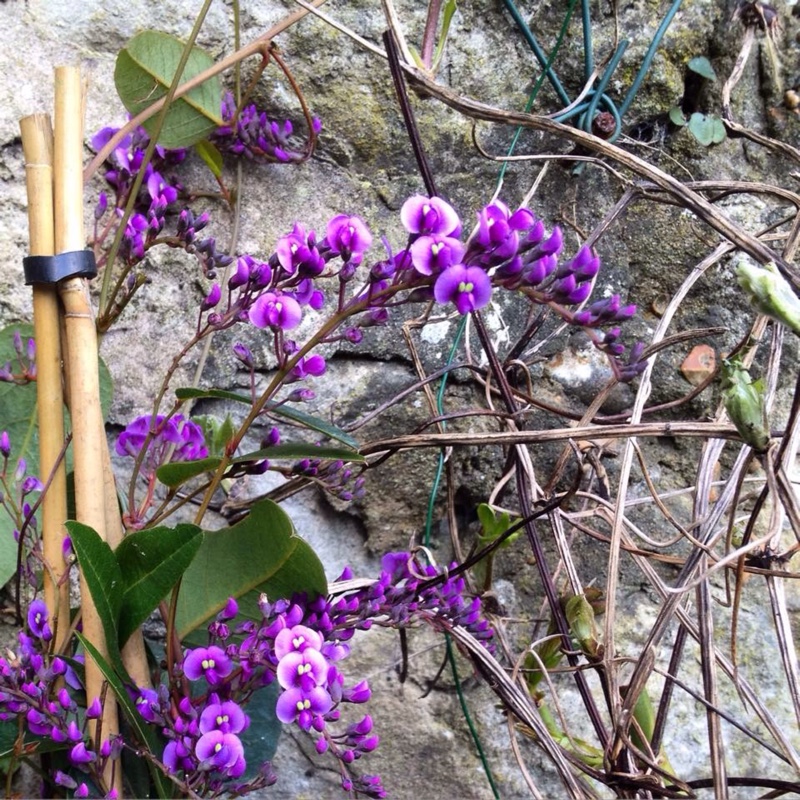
300,645
253,135
34,688
335,477
157,194
508,249
176,435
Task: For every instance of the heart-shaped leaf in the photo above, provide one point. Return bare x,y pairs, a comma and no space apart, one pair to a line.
143,74
262,553
702,66
151,562
707,128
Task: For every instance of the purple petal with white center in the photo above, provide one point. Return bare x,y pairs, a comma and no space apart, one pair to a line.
302,670
297,638
293,703
435,253
227,717
421,214
469,288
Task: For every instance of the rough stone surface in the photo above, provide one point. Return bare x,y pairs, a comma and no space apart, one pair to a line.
365,165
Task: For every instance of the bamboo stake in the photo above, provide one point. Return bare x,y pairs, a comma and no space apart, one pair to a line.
134,655
37,145
88,441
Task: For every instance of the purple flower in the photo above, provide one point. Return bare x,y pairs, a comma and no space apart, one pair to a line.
147,704
208,662
225,717
276,311
348,237
469,288
295,705
302,670
243,353
604,311
80,755
212,298
296,639
176,756
185,436
421,214
435,253
223,750
5,444
297,252
37,620
134,239
161,193
313,365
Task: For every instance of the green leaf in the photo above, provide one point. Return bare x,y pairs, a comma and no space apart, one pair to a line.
315,424
676,116
173,475
262,553
151,562
190,393
449,10
702,66
211,155
707,128
216,432
718,134
143,732
143,74
306,420
104,578
300,450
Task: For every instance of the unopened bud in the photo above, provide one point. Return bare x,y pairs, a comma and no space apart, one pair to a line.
744,402
770,293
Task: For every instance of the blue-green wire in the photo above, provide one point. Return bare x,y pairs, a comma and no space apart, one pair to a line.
537,51
648,58
588,48
538,85
601,87
427,540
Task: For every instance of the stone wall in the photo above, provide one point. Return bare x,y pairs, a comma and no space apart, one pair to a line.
364,165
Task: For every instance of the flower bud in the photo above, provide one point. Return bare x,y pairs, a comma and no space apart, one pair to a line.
770,293
744,402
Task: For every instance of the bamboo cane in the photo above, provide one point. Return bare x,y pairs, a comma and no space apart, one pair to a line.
88,441
37,145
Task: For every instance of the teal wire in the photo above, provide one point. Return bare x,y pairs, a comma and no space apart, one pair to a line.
588,47
427,540
527,33
538,85
601,87
648,58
